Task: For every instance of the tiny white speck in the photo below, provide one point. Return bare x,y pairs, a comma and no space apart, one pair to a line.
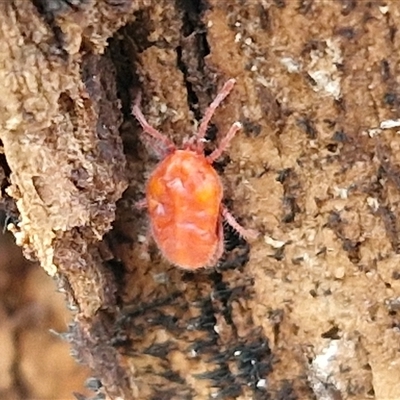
248,41
341,192
374,132
390,123
373,203
384,9
261,80
238,37
13,122
11,227
19,238
163,108
291,65
193,353
276,244
326,82
262,383
209,24
141,238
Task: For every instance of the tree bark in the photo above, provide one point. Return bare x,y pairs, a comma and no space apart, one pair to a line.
310,309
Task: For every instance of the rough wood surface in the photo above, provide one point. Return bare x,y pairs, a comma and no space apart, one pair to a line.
308,311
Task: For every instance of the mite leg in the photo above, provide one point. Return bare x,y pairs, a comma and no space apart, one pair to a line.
220,248
154,146
230,219
147,128
141,204
201,133
224,142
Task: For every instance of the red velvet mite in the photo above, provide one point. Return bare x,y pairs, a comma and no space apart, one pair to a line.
184,195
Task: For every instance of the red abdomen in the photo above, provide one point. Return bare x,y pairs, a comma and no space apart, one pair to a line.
184,195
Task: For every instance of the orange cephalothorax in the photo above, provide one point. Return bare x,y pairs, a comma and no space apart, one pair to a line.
184,195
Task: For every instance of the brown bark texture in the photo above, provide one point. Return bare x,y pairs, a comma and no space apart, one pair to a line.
310,310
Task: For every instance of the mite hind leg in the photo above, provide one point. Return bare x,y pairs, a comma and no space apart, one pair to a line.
230,219
220,247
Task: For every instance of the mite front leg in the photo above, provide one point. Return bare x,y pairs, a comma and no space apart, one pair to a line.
147,128
224,143
201,133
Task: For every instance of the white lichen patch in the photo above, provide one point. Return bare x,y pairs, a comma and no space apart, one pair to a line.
373,203
291,65
383,125
276,244
389,123
341,192
323,69
324,371
335,368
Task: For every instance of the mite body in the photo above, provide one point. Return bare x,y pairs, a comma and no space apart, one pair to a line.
184,195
